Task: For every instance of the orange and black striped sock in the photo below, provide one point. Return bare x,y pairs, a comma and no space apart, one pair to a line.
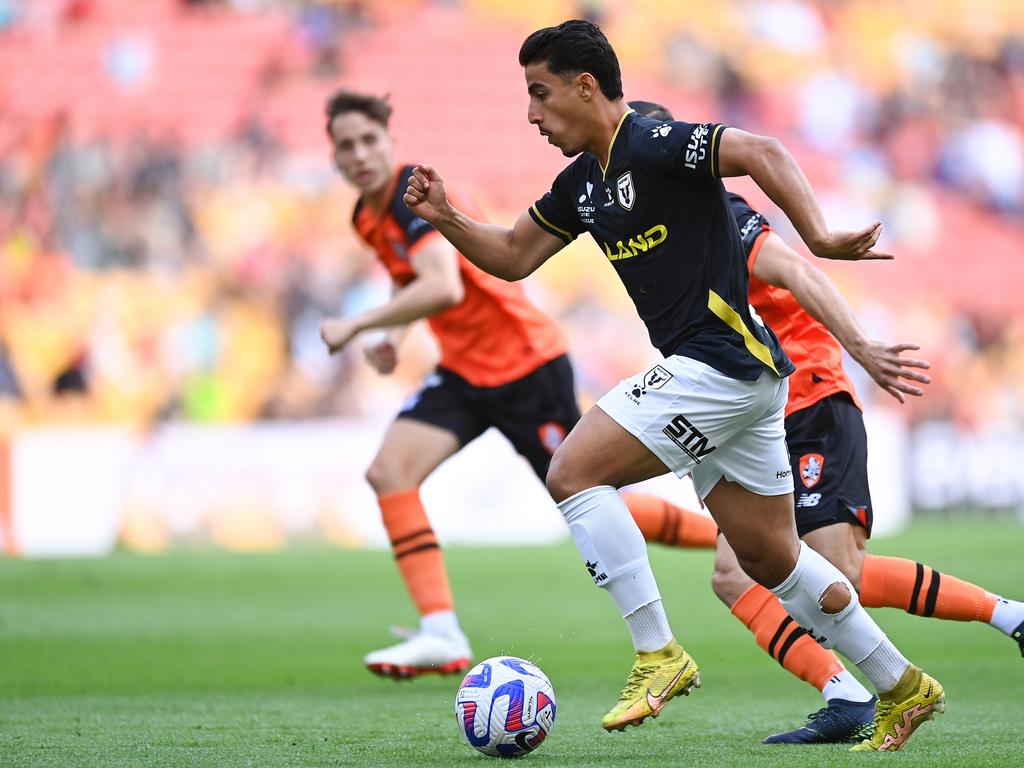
783,639
893,582
416,550
666,523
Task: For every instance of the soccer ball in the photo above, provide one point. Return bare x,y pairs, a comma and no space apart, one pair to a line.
505,707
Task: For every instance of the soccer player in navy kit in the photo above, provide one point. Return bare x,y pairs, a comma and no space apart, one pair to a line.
503,364
651,196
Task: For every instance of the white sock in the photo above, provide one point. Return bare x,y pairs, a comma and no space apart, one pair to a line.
851,631
845,686
1007,615
444,623
615,554
649,627
884,667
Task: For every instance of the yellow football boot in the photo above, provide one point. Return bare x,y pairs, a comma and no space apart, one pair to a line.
656,677
916,699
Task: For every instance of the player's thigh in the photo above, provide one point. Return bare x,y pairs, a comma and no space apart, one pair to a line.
842,544
599,451
433,424
760,529
729,580
537,412
829,455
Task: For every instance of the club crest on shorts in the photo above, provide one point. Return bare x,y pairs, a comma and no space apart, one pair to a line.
811,465
624,191
551,435
656,378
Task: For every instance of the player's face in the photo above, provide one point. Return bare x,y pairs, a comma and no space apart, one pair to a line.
556,108
363,151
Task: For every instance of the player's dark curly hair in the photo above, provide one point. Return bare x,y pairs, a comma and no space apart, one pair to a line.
342,102
573,47
651,109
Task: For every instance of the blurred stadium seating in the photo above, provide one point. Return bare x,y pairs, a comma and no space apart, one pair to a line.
171,229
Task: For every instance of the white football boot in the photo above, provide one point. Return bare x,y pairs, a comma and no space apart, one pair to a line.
423,653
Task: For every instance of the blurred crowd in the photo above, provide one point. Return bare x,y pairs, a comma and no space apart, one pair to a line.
150,277
907,92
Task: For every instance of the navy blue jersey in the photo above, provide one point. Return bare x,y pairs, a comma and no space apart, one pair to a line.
661,216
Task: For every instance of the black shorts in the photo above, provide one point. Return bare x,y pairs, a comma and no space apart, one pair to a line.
828,450
535,412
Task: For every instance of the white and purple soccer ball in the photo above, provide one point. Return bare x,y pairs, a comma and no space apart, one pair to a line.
505,707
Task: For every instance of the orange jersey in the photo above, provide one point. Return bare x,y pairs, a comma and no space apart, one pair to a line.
816,353
494,335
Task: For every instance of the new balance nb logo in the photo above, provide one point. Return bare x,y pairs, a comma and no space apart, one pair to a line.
691,440
808,499
597,577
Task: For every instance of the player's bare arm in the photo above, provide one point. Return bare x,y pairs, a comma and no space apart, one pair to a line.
775,171
437,286
778,264
510,254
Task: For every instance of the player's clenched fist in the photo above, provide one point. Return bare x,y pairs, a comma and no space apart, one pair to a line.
383,356
425,194
336,332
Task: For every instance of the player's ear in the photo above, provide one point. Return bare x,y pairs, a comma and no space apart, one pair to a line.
586,85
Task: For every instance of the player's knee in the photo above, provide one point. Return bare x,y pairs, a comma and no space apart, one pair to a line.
387,477
560,480
757,569
835,598
769,568
728,583
850,568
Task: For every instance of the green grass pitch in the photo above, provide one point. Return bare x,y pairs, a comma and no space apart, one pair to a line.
211,659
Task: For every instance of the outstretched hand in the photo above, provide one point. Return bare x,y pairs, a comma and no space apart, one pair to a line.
851,246
886,365
425,193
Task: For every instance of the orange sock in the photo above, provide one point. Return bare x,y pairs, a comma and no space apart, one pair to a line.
661,521
416,550
893,582
783,639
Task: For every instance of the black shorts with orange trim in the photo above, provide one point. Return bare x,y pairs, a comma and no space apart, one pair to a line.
828,450
534,412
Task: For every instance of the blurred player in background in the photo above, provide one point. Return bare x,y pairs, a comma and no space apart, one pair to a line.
828,454
503,364
651,196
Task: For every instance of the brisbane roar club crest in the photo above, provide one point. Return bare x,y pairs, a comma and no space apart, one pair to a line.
811,465
624,191
551,436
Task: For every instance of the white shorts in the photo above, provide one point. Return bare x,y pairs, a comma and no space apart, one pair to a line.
703,423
